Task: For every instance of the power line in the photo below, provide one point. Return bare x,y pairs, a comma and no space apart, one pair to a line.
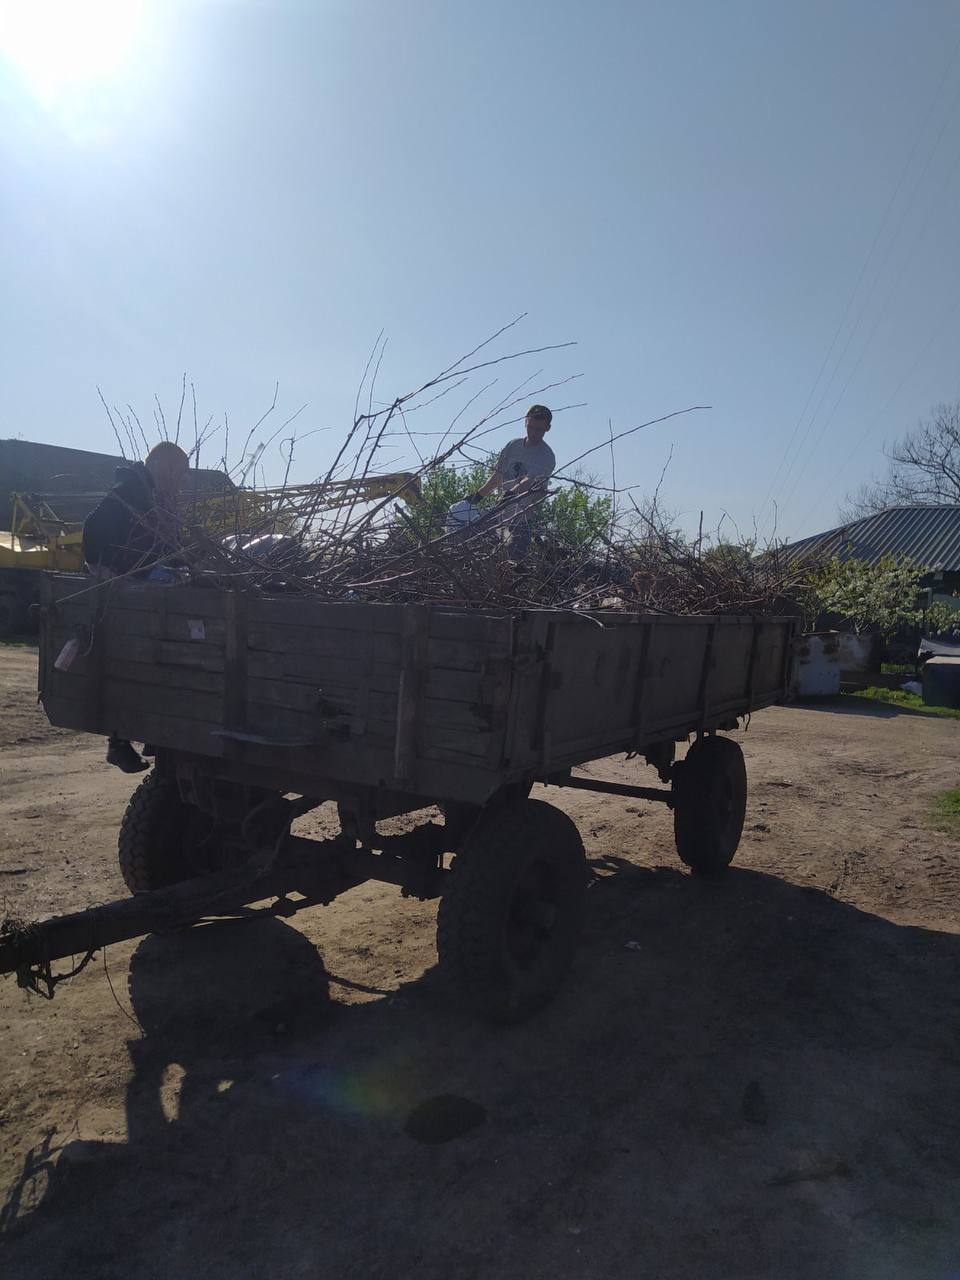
810,453
912,368
863,270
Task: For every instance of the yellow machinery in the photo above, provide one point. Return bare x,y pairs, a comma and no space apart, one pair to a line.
39,538
283,507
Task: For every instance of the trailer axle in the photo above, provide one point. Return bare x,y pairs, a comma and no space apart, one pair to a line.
317,870
660,794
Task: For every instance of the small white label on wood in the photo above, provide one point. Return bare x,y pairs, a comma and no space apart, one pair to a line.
196,628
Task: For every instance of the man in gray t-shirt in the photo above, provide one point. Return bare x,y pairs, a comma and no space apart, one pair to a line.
522,472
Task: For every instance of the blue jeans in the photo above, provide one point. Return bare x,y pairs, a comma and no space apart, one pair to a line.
521,529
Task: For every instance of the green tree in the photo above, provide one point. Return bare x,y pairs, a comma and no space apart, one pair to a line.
734,557
570,518
574,519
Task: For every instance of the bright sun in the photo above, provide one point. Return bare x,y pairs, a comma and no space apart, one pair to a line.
65,48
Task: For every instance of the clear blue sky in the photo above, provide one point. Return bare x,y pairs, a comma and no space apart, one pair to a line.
250,190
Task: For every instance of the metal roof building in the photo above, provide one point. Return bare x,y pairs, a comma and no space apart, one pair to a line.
929,535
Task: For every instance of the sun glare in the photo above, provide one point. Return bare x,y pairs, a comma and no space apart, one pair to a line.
63,50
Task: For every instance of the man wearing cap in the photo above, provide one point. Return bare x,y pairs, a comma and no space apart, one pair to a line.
522,472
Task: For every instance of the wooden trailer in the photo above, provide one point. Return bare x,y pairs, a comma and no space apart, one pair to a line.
258,709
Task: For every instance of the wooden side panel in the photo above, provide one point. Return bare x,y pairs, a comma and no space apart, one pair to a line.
613,689
730,661
427,701
222,674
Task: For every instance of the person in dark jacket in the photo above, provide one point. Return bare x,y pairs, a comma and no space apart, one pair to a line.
134,525
129,532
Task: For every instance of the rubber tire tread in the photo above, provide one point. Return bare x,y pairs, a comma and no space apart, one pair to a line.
150,844
702,846
495,854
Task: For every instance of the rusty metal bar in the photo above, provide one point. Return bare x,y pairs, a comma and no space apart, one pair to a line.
319,869
662,796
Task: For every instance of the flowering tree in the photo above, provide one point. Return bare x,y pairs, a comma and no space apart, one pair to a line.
885,595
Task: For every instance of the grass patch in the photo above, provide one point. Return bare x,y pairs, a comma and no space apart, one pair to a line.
946,810
19,642
905,701
898,669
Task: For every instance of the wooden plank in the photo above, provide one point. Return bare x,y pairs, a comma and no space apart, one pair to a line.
461,711
457,655
160,730
452,654
317,771
235,666
452,742
301,611
496,682
455,686
479,626
438,741
643,674
366,665
306,668
467,686
416,626
194,602
183,704
587,691
476,717
200,657
96,660
327,642
703,695
57,586
181,678
381,705
323,700
119,715
66,713
157,624
310,726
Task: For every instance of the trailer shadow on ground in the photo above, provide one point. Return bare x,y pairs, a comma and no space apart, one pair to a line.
741,1078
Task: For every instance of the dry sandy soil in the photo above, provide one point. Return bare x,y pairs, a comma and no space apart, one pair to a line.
763,1083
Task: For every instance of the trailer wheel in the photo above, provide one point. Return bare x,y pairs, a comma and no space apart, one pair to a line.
152,846
510,919
710,801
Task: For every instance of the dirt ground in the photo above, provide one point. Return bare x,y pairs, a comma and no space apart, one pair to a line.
751,1077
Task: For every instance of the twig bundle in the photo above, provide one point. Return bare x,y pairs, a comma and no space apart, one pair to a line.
328,540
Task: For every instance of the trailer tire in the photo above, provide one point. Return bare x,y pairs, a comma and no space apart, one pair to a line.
510,918
152,842
709,804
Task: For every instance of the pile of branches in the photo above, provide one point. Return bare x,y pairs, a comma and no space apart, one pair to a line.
637,565
328,541
669,573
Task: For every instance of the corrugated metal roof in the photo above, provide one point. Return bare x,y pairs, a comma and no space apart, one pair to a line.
929,535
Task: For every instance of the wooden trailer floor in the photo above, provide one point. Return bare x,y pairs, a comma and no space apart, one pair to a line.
753,1078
